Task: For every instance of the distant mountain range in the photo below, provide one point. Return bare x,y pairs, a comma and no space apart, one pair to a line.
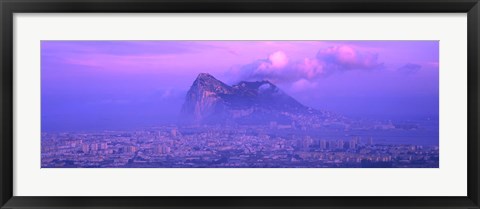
210,101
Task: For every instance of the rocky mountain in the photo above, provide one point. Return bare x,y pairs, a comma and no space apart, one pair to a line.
210,101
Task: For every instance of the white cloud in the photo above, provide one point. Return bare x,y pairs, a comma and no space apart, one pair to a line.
278,59
303,84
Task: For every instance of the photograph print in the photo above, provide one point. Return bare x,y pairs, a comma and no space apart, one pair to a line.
240,104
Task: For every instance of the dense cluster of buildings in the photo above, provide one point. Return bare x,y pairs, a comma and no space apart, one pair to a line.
210,147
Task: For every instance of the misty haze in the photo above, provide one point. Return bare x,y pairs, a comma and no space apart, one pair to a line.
240,104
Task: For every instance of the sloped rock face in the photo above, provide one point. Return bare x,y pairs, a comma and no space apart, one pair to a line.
204,101
210,101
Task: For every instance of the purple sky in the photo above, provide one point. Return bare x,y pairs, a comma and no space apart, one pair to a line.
128,84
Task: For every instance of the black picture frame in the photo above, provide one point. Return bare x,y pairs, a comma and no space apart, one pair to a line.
9,7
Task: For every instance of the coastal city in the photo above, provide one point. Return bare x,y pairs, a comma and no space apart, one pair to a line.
240,104
220,147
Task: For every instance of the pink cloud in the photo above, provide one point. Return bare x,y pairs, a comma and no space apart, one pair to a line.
120,63
278,59
347,54
303,84
305,73
310,68
346,57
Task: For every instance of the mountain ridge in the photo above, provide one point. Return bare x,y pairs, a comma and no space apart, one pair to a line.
210,101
